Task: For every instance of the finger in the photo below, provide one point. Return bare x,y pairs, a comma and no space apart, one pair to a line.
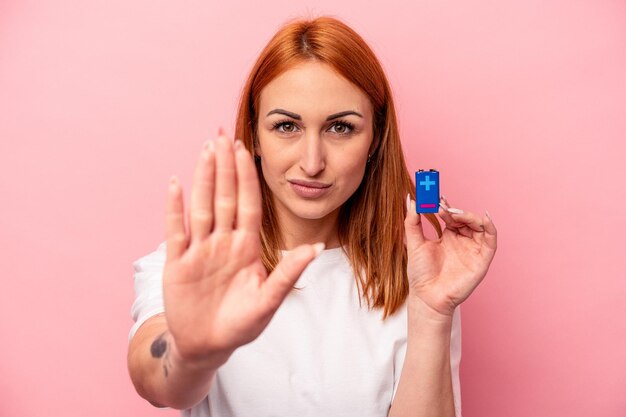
452,224
201,209
459,225
249,191
467,219
446,216
175,234
225,185
413,226
491,234
286,274
458,218
469,225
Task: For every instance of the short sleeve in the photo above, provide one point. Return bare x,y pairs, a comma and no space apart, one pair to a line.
455,361
148,281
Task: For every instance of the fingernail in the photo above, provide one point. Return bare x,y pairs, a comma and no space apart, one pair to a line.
408,202
220,131
488,216
173,180
208,148
238,144
455,210
319,247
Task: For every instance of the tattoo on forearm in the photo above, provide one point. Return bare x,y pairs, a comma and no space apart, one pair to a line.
160,349
159,346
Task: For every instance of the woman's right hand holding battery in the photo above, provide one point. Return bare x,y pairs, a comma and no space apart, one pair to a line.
217,293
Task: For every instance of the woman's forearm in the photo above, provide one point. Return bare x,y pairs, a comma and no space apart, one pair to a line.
425,386
160,376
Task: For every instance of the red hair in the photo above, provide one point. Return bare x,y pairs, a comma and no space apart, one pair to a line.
371,221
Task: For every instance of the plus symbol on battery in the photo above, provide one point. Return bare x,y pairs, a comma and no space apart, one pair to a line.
427,183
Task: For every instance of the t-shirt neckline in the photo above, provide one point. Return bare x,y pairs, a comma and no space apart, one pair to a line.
330,253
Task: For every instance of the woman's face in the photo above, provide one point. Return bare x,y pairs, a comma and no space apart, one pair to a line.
314,134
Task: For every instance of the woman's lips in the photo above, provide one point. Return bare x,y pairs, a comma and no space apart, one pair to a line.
309,189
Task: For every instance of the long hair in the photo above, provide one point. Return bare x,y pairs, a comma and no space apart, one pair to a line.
371,221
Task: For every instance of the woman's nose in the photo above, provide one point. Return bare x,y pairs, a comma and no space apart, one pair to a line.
312,156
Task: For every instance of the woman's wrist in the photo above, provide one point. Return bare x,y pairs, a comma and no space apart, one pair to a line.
210,363
424,316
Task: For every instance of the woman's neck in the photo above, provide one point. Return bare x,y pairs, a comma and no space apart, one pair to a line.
297,231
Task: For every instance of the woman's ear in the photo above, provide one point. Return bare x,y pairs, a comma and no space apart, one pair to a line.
375,142
257,148
372,149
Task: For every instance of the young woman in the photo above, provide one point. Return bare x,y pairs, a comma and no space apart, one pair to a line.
303,284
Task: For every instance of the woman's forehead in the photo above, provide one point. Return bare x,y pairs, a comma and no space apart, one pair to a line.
314,89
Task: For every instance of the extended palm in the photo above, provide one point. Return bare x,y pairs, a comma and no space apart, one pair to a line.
214,299
216,291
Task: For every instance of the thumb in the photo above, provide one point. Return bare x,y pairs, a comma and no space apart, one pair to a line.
286,273
413,226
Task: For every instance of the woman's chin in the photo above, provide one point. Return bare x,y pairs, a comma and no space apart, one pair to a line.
310,212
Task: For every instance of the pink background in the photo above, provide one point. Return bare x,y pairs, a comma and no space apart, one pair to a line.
520,104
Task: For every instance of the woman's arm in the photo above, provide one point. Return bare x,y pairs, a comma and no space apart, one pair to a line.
160,375
425,386
216,292
442,274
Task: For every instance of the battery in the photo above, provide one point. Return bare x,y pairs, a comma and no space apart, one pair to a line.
427,191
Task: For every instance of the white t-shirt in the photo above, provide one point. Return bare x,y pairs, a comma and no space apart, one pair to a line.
321,354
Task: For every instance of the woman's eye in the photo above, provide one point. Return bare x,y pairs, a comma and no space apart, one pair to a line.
285,127
288,127
343,128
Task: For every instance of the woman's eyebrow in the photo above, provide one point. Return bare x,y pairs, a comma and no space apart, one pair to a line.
298,117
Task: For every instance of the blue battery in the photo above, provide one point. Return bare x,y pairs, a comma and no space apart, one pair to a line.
427,191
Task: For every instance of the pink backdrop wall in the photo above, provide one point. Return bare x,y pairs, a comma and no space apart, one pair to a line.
521,105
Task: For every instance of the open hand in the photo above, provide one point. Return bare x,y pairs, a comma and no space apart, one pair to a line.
216,291
443,273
